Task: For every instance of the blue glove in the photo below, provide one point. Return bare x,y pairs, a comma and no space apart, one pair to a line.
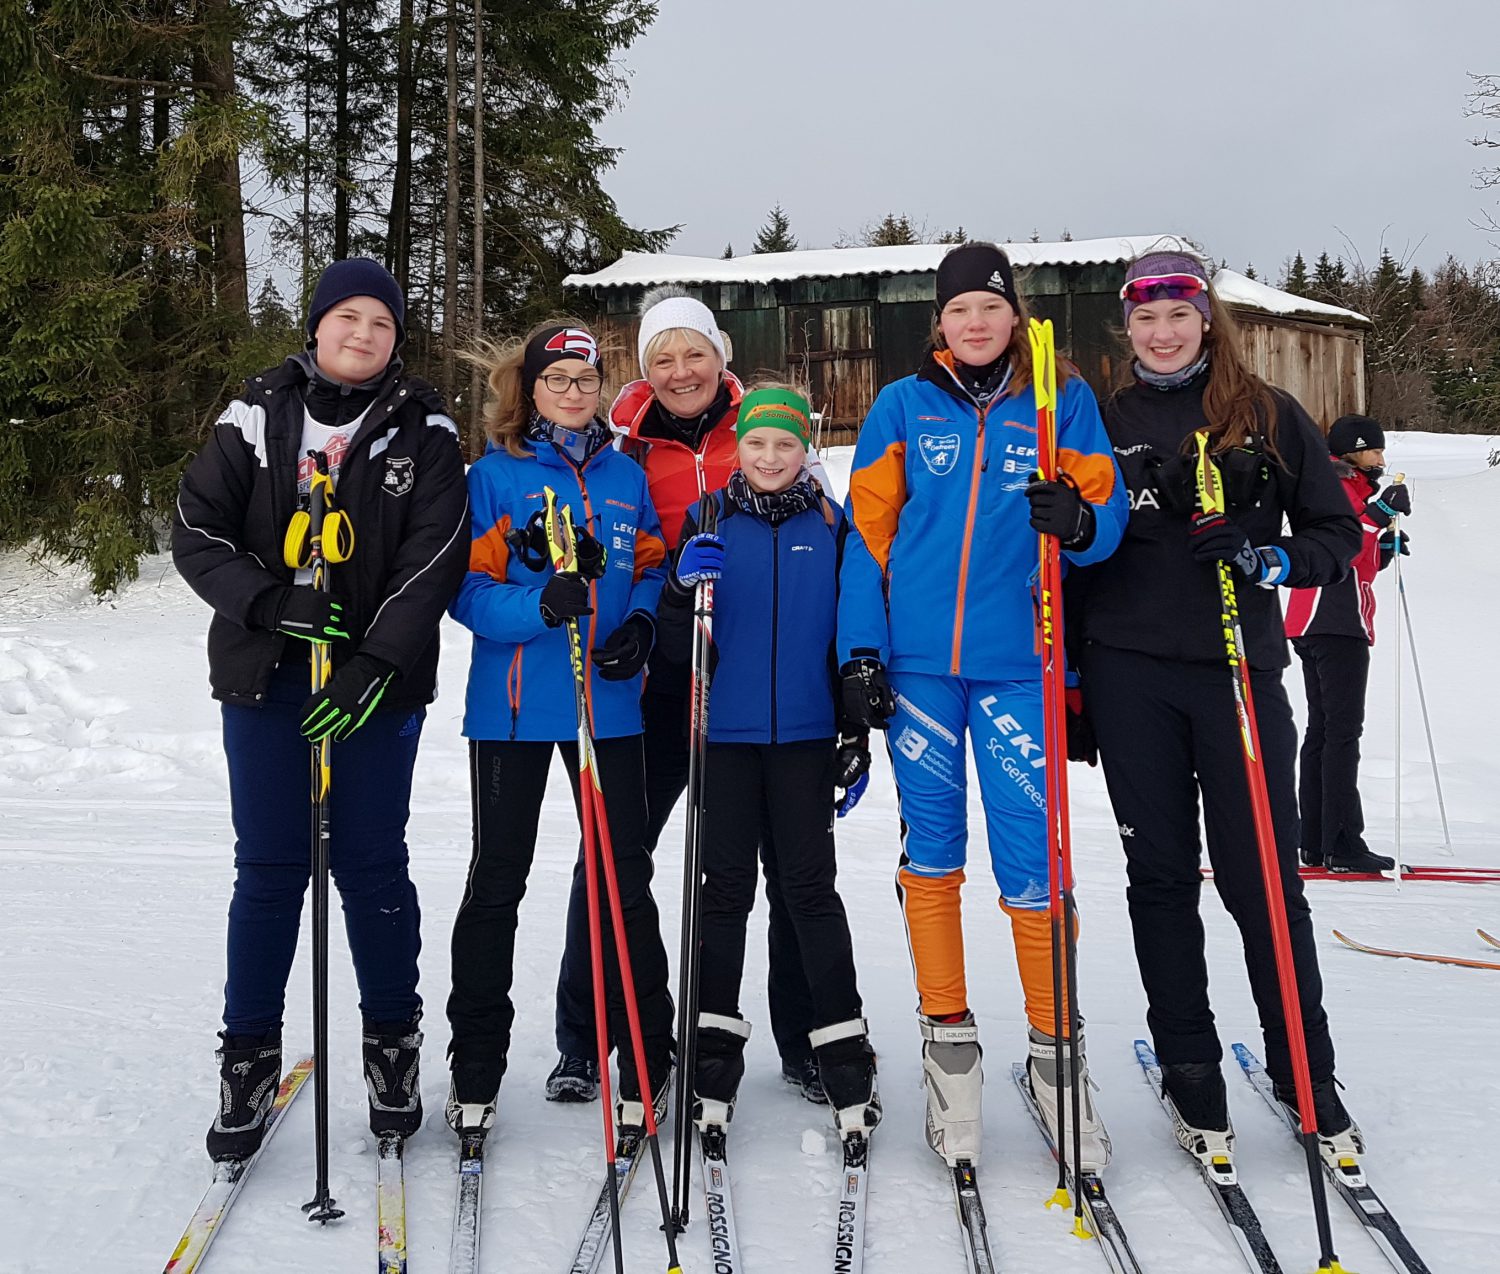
701,558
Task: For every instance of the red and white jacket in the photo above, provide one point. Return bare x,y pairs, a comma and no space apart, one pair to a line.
1345,609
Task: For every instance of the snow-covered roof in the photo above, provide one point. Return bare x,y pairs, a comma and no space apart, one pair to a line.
644,269
1239,289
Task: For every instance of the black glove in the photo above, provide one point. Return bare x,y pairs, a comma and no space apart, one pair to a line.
1243,472
851,772
565,597
1081,744
300,611
345,703
530,545
1214,538
1393,500
625,650
868,701
1387,544
1173,483
1058,509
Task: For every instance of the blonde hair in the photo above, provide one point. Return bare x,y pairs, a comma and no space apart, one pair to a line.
690,336
1018,352
509,404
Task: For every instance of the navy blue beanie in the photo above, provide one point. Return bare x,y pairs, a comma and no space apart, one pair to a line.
358,276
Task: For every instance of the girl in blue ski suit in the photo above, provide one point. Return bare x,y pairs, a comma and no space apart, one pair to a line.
937,638
545,432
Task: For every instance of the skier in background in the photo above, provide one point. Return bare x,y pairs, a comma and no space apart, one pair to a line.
1332,628
398,477
937,638
1158,692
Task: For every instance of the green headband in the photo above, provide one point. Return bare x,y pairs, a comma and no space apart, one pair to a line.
775,409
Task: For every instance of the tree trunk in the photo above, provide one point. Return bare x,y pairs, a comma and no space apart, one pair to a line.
306,286
342,142
450,229
476,380
398,236
222,175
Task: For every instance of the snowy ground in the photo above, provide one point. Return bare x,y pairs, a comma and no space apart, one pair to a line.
114,875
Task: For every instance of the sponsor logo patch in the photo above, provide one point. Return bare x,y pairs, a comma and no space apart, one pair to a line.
939,452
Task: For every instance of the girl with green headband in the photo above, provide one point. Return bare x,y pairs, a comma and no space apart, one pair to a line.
776,751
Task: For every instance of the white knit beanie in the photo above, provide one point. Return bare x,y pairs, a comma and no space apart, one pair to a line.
678,311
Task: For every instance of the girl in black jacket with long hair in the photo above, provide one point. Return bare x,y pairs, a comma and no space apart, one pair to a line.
1157,686
398,477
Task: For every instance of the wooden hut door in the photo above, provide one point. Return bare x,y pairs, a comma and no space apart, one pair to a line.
831,348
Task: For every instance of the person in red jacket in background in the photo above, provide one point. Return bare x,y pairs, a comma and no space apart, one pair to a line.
1332,629
678,424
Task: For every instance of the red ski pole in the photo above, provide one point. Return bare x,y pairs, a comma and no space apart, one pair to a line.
1211,500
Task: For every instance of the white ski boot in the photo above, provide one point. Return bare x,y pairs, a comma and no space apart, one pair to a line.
473,1092
954,1081
1042,1068
1194,1096
846,1065
1340,1142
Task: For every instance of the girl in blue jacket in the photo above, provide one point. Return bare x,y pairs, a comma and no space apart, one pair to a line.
937,638
774,756
544,429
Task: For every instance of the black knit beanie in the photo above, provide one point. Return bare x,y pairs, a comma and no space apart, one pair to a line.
358,276
975,267
1355,433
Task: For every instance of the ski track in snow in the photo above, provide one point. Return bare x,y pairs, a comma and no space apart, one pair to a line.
115,868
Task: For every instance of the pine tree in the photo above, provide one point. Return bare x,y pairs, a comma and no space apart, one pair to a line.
1295,279
957,235
1250,270
892,230
776,234
728,252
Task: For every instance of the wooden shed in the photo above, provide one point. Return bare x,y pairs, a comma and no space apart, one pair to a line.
847,321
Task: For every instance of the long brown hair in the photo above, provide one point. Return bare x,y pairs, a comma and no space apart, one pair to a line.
509,404
1238,403
1018,352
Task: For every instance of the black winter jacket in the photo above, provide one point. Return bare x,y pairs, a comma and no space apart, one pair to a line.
1151,595
402,486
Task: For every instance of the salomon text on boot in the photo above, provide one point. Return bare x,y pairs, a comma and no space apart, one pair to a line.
846,1065
1042,1070
954,1081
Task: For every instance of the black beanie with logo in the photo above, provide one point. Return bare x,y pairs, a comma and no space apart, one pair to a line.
1355,433
975,267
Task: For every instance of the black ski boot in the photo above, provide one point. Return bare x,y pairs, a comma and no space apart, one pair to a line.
1340,1142
1360,860
719,1068
473,1091
392,1054
1199,1105
573,1079
249,1075
802,1073
846,1066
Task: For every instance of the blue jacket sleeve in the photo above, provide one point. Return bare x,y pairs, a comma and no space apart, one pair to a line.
877,492
488,603
1084,452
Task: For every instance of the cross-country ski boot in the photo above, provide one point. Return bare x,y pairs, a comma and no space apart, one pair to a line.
392,1058
1340,1141
801,1073
846,1065
954,1081
473,1093
1042,1069
718,1069
1199,1106
249,1075
1360,860
630,1111
573,1079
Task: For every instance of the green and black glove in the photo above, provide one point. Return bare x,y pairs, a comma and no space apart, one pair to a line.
300,611
346,702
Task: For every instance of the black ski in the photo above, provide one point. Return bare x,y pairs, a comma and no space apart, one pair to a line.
596,1234
1113,1243
463,1251
1379,1224
965,1179
1233,1203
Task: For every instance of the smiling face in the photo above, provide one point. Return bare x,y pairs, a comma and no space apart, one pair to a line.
1166,335
572,408
355,340
684,372
771,458
977,327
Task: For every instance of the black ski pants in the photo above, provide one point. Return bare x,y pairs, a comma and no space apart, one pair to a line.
1168,732
1336,672
508,781
664,710
788,789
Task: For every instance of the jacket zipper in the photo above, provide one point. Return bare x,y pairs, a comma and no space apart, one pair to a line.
963,561
775,608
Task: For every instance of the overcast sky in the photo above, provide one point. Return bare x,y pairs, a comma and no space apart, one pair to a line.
1257,128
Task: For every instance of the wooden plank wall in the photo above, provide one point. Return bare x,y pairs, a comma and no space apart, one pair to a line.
1322,367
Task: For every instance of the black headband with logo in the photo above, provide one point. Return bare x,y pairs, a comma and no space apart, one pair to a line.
553,345
975,267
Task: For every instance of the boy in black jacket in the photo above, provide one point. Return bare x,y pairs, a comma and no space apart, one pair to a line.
398,477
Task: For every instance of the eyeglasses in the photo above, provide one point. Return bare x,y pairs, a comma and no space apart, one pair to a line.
588,383
1163,287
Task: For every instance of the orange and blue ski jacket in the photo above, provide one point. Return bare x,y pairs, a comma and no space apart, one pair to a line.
940,567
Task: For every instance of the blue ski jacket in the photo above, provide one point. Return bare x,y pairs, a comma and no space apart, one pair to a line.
773,624
940,570
521,675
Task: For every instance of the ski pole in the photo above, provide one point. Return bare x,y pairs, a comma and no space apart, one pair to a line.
1211,500
321,1207
595,820
692,884
1416,667
1059,832
1396,545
